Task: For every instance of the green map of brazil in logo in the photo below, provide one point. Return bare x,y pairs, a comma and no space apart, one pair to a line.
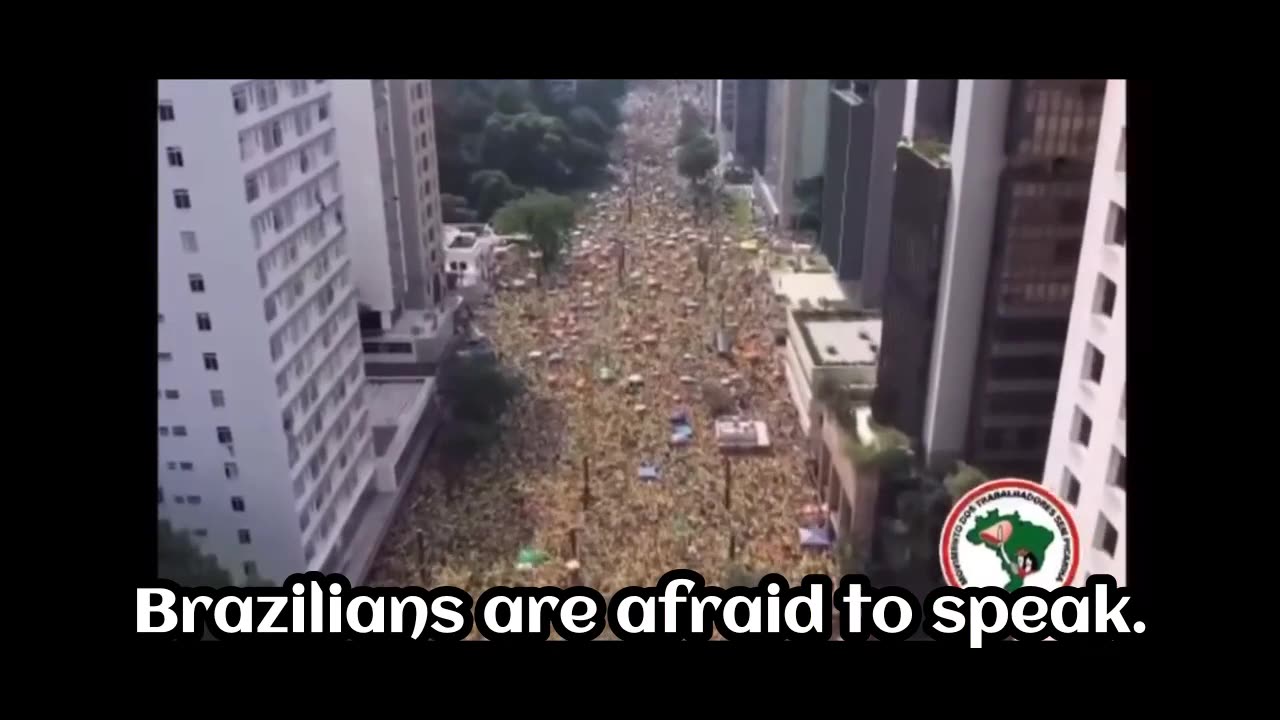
1010,533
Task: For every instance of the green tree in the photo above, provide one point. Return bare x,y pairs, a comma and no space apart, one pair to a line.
602,96
695,159
453,209
544,217
586,124
491,189
531,148
808,194
180,560
962,479
476,391
512,97
691,124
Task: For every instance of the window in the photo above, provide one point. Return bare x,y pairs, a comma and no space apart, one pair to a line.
1070,487
211,361
250,189
187,466
224,434
323,110
1124,131
424,139
180,500
203,323
1026,367
182,199
993,438
174,154
172,465
179,430
1106,537
188,241
269,308
166,112
250,569
193,499
1094,361
1104,296
160,317
231,470
1066,251
1115,471
196,280
217,398
159,495
1081,428
240,100
1116,234
237,504
171,394
1032,437
244,536
1021,403
200,532
164,431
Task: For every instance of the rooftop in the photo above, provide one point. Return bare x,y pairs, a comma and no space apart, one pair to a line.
389,401
812,286
462,241
840,340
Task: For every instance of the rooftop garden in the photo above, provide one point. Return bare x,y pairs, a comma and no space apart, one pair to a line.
881,445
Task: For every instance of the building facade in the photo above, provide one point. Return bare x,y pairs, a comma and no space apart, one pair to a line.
1050,146
988,268
795,139
749,127
863,128
264,445
388,151
1087,447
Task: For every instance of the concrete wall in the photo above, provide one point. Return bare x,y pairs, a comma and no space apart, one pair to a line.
366,207
977,159
209,132
890,96
1103,402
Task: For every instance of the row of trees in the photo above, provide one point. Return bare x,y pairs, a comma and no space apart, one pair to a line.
501,139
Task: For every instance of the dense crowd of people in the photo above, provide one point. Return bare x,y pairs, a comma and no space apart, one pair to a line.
589,483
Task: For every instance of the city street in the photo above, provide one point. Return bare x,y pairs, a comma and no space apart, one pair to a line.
596,481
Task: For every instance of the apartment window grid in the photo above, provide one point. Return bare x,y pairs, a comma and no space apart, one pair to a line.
166,111
217,398
203,322
231,470
1060,119
174,155
182,199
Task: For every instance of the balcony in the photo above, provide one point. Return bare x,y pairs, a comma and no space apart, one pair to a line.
283,319
286,103
277,279
342,503
309,495
266,198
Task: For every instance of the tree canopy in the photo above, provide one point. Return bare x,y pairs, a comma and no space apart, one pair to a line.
181,560
477,391
696,158
544,217
519,129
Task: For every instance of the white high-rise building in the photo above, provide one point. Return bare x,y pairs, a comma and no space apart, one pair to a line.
1086,460
264,443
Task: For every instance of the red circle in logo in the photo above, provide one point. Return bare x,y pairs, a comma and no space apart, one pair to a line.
949,571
